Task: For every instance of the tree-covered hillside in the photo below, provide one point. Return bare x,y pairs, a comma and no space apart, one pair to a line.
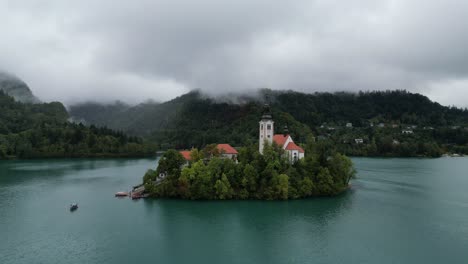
193,120
42,130
398,107
140,120
16,88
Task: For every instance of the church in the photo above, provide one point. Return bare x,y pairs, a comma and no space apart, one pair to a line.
267,136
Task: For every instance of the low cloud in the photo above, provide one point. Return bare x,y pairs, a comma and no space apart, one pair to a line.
134,51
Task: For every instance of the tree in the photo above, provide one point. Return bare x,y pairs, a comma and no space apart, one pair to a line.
195,155
341,167
269,176
306,187
325,184
171,163
251,178
223,188
281,186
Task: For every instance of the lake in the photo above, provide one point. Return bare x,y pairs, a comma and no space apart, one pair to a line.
397,211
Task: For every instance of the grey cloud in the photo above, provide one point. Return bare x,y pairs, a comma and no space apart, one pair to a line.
135,50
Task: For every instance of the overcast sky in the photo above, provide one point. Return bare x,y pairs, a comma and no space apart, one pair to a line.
138,50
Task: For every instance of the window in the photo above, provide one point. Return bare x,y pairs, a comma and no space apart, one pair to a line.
268,136
261,127
269,127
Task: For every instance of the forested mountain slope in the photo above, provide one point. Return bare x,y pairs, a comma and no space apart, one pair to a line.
42,130
16,88
194,120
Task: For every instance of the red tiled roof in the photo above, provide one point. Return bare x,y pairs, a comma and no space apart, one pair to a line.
186,154
280,139
293,146
226,149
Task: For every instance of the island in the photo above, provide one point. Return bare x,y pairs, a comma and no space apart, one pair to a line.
274,169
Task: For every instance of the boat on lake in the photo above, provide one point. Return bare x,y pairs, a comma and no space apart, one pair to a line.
121,194
73,206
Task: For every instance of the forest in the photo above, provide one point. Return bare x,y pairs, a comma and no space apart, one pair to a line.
42,131
195,120
209,176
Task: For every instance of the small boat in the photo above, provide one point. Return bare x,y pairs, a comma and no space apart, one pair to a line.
73,207
121,194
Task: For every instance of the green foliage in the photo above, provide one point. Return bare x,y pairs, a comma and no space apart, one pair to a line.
170,163
193,120
269,176
42,130
223,188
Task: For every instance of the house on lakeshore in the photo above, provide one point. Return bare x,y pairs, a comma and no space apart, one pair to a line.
225,151
285,141
359,141
186,155
407,132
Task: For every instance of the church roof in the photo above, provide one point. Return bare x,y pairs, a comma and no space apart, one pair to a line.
280,139
293,146
226,149
186,154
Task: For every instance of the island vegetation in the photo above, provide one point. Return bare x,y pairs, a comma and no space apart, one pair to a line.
29,130
267,176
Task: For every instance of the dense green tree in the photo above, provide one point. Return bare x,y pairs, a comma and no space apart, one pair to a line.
171,163
269,176
281,186
193,120
42,130
223,188
306,187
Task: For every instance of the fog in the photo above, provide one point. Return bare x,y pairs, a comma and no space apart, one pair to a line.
133,51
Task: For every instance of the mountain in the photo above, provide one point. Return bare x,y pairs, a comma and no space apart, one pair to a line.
42,130
142,119
16,88
196,120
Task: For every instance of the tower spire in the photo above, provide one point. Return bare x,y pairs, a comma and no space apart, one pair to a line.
266,112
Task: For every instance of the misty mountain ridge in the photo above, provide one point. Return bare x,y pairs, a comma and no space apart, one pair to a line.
194,119
16,88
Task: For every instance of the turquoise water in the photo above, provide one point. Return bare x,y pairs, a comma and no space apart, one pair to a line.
398,211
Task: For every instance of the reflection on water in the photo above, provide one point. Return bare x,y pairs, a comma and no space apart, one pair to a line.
397,211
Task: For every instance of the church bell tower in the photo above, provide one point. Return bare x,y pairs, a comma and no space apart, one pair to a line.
266,129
